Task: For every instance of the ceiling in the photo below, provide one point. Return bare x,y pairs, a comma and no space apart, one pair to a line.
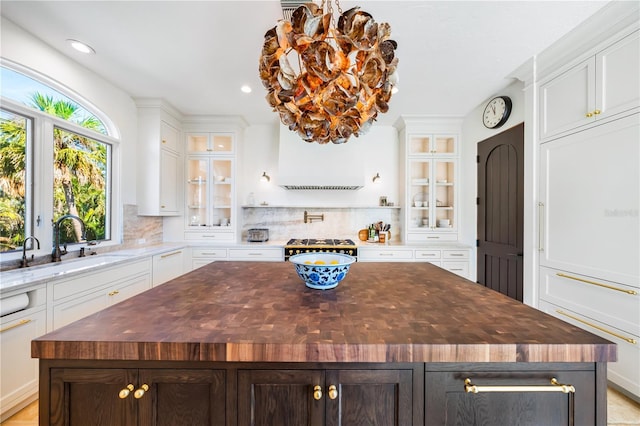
196,54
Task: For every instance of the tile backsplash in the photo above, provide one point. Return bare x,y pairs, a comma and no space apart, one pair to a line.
288,222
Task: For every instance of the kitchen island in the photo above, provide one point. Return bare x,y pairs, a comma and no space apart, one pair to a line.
236,343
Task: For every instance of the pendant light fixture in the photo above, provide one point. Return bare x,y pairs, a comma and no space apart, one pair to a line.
328,82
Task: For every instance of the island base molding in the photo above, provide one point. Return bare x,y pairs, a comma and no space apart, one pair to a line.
80,392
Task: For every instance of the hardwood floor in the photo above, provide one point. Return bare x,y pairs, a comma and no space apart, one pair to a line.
621,411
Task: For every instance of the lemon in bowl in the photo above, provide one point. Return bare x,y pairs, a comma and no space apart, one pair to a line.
322,271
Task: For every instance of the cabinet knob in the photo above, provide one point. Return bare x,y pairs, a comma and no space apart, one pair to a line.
114,292
333,392
589,114
596,112
126,391
164,141
317,392
139,393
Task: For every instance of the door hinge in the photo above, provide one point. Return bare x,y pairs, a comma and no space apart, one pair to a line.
478,159
477,243
477,201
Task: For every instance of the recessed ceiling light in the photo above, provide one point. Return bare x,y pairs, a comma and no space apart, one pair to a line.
80,46
245,89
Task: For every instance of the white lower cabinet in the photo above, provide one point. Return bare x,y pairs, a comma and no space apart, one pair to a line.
167,266
85,294
201,256
267,254
384,254
19,384
453,259
625,372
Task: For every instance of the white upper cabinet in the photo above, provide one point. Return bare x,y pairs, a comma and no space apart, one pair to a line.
160,162
601,86
430,147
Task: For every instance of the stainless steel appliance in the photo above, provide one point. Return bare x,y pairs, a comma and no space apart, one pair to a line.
258,235
321,245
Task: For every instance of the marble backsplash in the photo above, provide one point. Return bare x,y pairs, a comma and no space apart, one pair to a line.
288,222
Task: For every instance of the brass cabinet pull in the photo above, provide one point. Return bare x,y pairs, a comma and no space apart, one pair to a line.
170,254
317,392
139,393
554,387
164,141
333,392
610,287
126,391
589,114
597,327
114,292
596,112
18,324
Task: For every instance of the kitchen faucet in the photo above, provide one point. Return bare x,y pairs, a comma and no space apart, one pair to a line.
25,262
56,253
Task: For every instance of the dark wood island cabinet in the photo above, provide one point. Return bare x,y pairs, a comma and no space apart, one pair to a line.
236,343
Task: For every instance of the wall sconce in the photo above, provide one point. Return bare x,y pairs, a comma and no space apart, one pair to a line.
377,178
265,177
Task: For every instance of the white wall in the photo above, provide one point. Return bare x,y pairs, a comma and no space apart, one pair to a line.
473,132
22,48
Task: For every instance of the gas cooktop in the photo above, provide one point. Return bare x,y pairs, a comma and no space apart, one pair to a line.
320,242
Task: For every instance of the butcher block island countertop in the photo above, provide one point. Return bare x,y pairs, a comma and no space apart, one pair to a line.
247,344
381,312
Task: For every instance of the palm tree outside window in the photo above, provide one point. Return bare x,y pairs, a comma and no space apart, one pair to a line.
81,165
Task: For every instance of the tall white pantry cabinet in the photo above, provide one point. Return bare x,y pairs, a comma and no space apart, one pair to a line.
589,197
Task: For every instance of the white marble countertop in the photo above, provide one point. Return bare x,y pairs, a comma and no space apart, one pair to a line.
17,279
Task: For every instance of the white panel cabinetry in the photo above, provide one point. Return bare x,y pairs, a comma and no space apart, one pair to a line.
19,384
159,192
601,86
589,199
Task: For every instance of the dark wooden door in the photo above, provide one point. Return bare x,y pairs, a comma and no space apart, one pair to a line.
280,397
80,397
369,398
501,212
182,397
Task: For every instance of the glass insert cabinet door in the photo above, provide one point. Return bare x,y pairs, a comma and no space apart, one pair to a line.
432,190
209,192
432,145
210,143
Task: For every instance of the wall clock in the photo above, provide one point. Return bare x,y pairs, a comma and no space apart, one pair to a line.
497,112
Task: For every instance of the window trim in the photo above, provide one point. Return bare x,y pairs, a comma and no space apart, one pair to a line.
42,201
110,127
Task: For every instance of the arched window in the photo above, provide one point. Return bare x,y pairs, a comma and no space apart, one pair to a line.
62,169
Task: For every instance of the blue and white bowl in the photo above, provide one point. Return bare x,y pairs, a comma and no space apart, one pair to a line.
322,271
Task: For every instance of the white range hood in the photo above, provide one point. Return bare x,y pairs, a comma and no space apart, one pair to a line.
312,166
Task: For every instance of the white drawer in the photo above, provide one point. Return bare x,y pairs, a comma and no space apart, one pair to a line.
455,254
428,255
209,236
458,268
93,280
626,371
270,254
414,237
616,304
217,253
385,255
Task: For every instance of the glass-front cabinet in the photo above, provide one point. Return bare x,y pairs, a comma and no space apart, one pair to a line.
210,192
433,194
430,148
432,145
